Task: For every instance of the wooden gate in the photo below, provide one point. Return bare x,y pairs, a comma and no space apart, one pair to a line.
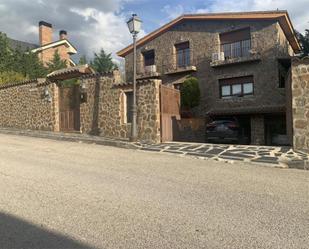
69,111
170,111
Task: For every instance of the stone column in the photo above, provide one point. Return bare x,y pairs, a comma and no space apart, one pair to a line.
257,129
300,103
55,103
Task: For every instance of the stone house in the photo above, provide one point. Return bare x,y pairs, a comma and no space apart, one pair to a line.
47,47
240,59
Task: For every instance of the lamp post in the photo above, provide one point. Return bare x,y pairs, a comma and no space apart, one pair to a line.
134,25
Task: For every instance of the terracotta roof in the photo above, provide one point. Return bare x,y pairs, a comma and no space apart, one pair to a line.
71,72
138,81
281,16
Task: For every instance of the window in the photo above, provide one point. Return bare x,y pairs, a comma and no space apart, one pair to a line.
183,54
128,107
236,87
149,58
236,43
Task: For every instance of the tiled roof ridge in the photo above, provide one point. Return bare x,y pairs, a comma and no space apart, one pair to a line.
39,81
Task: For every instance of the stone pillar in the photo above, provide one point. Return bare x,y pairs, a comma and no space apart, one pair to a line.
300,103
55,103
257,129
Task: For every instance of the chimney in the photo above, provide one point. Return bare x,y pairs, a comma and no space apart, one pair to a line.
45,33
63,35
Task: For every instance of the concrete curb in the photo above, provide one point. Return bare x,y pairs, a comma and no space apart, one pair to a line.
71,138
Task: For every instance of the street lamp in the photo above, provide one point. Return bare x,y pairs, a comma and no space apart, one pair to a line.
134,25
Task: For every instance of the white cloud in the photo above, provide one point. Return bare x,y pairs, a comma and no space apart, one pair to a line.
298,9
91,24
171,13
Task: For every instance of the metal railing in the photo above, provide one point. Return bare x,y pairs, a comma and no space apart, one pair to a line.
236,49
181,59
169,62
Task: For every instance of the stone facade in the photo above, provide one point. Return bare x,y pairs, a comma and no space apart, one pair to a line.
24,106
148,110
300,103
104,111
257,129
267,40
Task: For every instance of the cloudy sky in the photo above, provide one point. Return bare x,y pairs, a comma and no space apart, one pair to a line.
92,24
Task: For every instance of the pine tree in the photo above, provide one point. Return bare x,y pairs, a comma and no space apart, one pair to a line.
6,54
56,63
304,41
82,60
32,66
103,62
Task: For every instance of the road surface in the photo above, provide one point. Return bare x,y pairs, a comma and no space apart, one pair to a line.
56,194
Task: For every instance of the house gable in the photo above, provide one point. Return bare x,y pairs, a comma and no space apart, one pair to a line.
281,16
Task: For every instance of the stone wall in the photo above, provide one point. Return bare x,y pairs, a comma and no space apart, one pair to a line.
257,130
300,103
148,110
24,106
104,111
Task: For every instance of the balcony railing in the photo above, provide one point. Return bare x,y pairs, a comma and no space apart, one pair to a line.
182,60
236,49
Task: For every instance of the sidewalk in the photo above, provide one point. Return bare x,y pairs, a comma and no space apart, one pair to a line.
283,157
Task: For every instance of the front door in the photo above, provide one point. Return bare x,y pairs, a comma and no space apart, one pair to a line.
69,109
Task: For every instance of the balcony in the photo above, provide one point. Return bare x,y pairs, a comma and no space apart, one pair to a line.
147,72
180,62
235,53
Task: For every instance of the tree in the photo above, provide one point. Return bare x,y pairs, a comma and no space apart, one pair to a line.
6,54
102,62
28,64
82,60
190,93
56,63
304,42
17,65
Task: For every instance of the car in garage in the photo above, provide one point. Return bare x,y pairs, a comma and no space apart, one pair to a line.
224,130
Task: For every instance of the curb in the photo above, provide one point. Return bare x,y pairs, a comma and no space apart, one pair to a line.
83,138
72,138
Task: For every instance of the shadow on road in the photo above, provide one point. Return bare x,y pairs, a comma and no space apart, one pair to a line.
16,233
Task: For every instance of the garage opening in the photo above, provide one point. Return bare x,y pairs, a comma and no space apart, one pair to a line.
234,129
276,130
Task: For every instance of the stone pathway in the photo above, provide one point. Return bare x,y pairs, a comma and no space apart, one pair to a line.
276,156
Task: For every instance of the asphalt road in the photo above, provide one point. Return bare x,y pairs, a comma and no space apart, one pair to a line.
67,195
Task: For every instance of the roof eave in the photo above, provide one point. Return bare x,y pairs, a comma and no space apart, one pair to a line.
223,16
72,49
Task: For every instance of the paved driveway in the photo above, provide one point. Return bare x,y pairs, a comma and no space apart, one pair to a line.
271,155
57,194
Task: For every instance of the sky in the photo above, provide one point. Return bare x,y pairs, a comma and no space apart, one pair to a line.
96,24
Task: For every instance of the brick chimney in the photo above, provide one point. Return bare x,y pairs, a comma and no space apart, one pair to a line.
45,33
63,35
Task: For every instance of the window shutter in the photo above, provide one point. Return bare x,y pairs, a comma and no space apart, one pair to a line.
234,36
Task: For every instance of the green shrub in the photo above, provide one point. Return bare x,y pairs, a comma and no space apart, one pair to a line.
11,77
190,93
